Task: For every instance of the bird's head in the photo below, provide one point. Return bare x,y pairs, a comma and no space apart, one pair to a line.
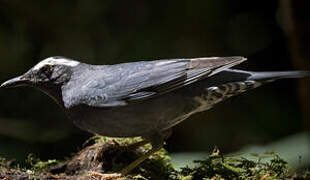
49,72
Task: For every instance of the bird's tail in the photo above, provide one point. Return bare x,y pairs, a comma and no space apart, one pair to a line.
233,82
265,76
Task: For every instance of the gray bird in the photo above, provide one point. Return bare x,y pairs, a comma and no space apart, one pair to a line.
145,98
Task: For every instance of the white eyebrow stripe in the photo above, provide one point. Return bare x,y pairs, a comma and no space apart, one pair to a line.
54,61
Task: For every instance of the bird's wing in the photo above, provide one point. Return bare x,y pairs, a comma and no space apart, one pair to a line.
127,82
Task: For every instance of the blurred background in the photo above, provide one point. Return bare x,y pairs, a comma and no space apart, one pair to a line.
273,35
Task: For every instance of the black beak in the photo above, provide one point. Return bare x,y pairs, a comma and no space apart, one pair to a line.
15,82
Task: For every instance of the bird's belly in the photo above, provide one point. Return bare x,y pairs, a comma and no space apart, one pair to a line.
136,119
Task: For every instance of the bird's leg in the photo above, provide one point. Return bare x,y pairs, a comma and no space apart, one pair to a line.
134,164
136,145
157,141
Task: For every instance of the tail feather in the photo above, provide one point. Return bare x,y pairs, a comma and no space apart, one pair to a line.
228,83
233,82
261,76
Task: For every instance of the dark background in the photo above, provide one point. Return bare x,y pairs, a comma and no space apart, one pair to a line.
108,32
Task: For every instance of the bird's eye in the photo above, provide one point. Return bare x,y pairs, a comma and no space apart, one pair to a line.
47,70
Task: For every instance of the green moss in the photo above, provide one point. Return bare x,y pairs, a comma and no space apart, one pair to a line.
35,164
2,162
119,141
236,167
114,156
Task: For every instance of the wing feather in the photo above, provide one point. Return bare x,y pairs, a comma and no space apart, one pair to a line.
118,85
